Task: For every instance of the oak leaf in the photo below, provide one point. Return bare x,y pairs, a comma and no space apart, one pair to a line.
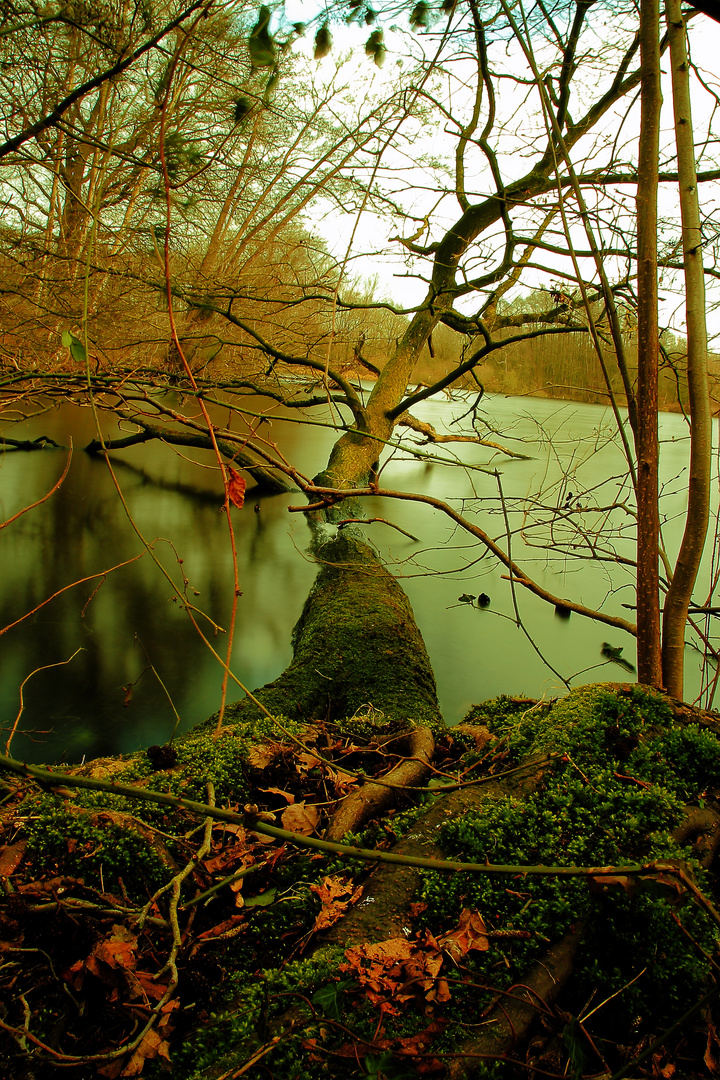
333,894
470,933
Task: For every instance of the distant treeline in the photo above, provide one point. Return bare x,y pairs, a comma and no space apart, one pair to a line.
562,365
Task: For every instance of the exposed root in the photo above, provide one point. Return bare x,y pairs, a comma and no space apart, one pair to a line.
370,800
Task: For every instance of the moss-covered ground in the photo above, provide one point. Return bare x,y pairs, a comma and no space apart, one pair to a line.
211,950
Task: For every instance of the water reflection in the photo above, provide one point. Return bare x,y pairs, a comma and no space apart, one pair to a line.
128,623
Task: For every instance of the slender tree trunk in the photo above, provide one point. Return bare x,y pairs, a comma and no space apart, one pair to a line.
648,578
693,542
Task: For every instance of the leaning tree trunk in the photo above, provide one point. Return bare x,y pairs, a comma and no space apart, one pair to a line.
679,594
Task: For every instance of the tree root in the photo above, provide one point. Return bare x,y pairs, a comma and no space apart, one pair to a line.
371,800
509,1022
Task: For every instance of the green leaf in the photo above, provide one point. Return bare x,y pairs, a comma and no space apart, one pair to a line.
387,1067
262,899
260,44
572,1038
76,347
328,997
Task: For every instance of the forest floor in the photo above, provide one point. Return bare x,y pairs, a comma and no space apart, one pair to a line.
542,905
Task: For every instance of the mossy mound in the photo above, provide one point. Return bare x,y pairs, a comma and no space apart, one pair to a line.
613,788
614,792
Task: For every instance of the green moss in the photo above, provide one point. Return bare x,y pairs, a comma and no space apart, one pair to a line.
516,723
204,757
686,760
255,1006
64,840
617,790
356,647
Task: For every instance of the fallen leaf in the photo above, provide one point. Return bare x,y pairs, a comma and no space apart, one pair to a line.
711,1058
660,1070
470,933
380,969
333,894
112,960
263,754
152,1046
305,762
300,818
602,882
286,795
222,928
10,857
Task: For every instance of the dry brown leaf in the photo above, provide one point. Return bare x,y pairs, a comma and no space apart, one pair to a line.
232,857
397,969
711,1058
286,795
10,857
662,1071
236,485
225,827
300,818
305,762
470,933
113,961
152,1046
263,754
333,894
221,928
379,967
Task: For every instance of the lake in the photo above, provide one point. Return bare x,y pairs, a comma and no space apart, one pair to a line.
109,665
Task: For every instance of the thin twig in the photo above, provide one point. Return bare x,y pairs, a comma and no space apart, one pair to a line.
39,502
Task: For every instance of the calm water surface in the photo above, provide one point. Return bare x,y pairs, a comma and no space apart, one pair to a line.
125,656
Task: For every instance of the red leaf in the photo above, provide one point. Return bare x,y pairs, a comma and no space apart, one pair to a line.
333,894
469,934
236,487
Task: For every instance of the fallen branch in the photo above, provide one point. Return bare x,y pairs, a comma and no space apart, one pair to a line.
250,820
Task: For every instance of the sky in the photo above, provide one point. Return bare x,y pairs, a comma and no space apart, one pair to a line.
383,260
